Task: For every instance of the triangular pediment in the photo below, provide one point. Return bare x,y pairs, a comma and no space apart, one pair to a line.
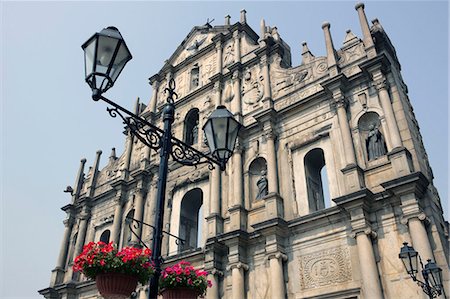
197,39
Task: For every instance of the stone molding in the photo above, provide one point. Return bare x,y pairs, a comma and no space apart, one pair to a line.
368,231
215,272
419,215
277,255
238,265
381,83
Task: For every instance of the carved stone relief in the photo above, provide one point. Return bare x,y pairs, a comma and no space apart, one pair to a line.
252,89
326,267
306,92
228,94
228,54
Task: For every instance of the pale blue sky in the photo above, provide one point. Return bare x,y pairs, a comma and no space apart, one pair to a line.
49,122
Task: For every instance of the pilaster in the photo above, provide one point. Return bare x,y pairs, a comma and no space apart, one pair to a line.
358,205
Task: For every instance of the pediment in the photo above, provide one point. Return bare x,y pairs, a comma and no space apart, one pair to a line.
199,38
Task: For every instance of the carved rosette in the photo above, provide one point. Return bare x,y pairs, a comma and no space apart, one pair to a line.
326,267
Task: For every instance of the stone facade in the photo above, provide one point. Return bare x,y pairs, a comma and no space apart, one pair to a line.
347,112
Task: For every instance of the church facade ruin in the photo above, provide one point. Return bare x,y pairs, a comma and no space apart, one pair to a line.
329,176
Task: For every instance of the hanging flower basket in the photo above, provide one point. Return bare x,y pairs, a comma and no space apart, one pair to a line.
182,281
116,285
179,293
116,272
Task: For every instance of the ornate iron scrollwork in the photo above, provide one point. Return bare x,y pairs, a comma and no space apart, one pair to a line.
137,224
152,136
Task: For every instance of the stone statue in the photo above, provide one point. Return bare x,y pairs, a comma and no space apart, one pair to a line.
376,147
262,184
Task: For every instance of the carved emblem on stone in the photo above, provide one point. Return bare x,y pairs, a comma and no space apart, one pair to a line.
228,57
194,46
208,71
252,90
228,94
322,67
326,267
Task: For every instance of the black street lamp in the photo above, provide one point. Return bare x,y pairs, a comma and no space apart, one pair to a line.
105,57
431,273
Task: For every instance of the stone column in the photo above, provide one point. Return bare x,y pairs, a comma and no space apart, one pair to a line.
238,214
266,75
117,223
237,280
68,223
345,132
82,228
236,103
238,176
214,291
90,233
237,46
419,237
151,200
214,218
138,215
277,285
272,175
58,273
219,51
371,287
331,55
367,37
393,138
218,91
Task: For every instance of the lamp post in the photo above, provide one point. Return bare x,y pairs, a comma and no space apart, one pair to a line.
106,54
431,273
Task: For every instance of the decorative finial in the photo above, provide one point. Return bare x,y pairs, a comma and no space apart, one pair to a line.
113,154
325,25
359,5
243,16
227,20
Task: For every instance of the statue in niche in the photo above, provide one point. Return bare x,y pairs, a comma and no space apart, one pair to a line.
262,185
195,77
376,147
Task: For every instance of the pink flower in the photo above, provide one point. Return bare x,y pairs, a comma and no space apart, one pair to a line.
189,281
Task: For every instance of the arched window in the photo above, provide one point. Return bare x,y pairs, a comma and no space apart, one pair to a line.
105,236
126,230
195,76
190,217
316,180
191,127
